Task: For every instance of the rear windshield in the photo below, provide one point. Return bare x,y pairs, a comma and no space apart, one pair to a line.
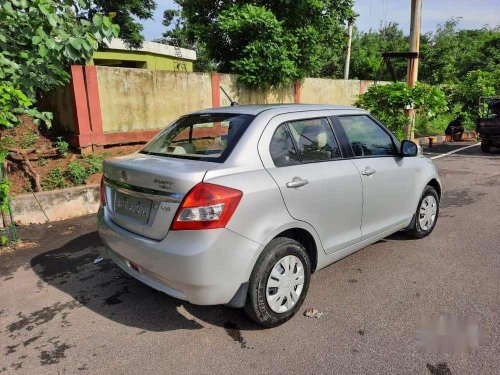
208,137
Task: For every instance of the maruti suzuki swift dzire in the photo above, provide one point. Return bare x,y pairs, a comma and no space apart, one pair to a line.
240,205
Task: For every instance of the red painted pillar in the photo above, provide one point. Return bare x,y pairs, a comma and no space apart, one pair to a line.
296,98
215,90
83,131
94,104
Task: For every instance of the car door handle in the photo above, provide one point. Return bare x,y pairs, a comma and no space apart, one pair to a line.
296,183
368,171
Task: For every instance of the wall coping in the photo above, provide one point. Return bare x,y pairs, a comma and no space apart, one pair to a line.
152,47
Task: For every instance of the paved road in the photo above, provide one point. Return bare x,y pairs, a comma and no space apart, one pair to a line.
61,313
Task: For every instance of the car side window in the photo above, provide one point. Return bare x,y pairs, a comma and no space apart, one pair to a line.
282,149
315,140
366,137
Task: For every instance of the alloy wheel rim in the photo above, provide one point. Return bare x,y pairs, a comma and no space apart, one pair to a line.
285,284
427,213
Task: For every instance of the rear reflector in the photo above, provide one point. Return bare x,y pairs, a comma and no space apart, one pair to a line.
206,206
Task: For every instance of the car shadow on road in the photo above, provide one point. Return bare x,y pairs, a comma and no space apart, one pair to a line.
108,291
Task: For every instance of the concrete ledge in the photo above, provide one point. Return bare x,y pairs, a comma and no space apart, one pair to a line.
58,204
438,139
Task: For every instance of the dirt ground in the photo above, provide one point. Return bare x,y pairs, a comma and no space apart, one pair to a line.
29,136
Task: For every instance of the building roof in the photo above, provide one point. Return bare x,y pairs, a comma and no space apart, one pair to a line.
255,109
153,47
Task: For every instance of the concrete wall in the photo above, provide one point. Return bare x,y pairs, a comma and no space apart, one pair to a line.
57,204
329,91
242,95
136,99
109,105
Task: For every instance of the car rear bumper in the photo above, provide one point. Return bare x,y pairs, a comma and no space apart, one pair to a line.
205,267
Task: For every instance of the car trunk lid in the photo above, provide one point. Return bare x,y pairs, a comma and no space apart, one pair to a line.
143,192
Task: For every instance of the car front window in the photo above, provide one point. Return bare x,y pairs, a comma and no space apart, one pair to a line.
366,137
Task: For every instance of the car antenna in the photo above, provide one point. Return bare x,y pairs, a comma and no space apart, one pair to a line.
233,103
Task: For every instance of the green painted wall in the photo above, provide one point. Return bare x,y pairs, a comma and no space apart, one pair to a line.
144,60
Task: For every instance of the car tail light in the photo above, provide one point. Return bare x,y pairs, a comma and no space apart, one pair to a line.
206,206
102,191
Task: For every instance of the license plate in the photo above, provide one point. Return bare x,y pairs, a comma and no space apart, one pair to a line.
134,207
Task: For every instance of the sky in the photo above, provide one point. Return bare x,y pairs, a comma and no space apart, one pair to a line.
473,14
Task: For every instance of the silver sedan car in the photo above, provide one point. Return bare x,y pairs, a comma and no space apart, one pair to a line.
240,205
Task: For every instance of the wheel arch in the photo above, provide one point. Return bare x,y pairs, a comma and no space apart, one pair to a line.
305,239
436,185
300,231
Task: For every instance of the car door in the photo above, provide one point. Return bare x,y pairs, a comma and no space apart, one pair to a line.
388,179
318,186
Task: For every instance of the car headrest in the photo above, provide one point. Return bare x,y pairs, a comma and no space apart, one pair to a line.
313,134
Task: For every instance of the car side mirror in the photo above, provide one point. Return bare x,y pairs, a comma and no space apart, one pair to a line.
408,148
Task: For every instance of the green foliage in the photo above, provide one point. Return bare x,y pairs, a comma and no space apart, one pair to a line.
77,173
449,53
467,92
54,180
94,163
432,126
367,49
7,141
28,140
4,194
42,162
387,103
268,43
62,146
38,40
124,13
12,103
4,240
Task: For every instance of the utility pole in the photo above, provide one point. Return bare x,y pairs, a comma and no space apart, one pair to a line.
412,73
348,52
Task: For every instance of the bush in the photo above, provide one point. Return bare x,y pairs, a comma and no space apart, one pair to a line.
387,103
62,146
435,126
474,85
77,173
94,163
54,180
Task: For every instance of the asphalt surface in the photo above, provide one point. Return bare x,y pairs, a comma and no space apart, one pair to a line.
61,313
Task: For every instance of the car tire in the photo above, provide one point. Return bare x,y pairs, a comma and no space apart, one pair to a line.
260,293
485,146
419,228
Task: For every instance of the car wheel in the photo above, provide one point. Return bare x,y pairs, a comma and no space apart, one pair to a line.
279,282
427,214
485,146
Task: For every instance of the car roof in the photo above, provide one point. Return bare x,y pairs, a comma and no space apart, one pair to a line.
256,109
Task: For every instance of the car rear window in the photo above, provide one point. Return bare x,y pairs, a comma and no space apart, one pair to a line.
207,137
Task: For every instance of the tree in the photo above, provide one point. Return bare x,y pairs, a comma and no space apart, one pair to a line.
38,40
267,42
367,49
125,14
452,53
474,85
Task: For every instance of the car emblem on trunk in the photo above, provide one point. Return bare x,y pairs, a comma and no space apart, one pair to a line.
124,176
